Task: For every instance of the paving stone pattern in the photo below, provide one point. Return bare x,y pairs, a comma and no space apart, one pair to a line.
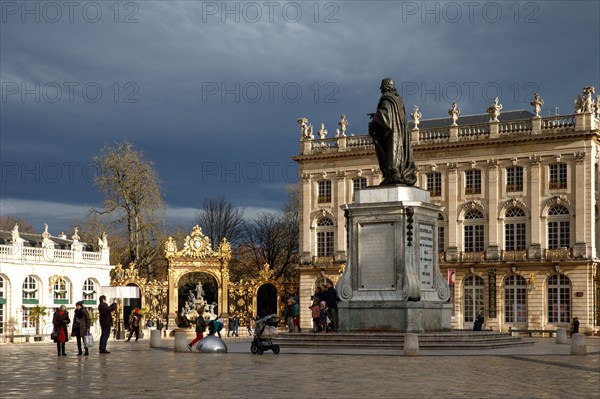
544,370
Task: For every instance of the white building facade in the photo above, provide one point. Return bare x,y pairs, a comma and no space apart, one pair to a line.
42,270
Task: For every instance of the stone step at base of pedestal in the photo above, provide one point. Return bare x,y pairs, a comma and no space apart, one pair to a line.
432,341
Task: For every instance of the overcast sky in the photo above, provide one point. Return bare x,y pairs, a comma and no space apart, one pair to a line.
211,91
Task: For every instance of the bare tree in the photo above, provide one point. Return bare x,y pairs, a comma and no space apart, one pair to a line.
273,238
220,219
7,222
133,199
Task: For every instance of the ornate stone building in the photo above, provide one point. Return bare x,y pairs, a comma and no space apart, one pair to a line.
49,271
519,232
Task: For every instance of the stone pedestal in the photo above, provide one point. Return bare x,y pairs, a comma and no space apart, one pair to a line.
561,336
180,342
155,339
578,347
411,345
392,281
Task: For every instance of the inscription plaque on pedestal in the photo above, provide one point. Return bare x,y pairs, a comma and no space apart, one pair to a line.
376,256
425,235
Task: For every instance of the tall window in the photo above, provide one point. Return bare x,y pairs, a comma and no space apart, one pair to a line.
324,237
559,299
515,228
60,291
474,233
473,181
27,321
89,292
473,297
358,184
434,184
559,227
515,299
558,175
30,291
324,191
441,234
514,178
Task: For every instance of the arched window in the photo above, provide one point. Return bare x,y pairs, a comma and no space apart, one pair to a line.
559,227
60,291
474,233
515,299
472,298
515,230
89,292
559,299
30,291
325,235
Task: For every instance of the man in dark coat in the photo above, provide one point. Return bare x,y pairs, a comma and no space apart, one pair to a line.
331,303
105,317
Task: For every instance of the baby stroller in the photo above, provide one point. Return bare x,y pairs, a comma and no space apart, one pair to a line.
262,341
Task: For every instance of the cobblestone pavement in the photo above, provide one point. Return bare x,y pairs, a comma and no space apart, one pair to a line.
544,370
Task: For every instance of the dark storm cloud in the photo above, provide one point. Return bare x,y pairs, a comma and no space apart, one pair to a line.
211,90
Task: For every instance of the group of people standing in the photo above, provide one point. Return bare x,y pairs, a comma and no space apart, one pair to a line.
81,326
324,309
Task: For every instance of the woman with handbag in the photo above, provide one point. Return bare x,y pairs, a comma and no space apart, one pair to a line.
81,326
60,335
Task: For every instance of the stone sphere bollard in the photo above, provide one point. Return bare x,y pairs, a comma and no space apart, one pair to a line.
180,342
212,344
411,345
578,347
155,339
561,336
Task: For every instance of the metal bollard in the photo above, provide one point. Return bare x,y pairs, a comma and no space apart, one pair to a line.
561,336
578,347
411,345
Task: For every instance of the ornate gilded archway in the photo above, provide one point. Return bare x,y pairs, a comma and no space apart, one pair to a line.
243,296
153,293
197,255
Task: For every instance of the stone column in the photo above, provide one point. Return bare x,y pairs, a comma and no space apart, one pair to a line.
452,190
534,250
306,200
492,250
340,230
583,221
172,298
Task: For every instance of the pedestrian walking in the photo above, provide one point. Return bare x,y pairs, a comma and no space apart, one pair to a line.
575,326
134,324
60,321
104,312
331,302
81,327
200,328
